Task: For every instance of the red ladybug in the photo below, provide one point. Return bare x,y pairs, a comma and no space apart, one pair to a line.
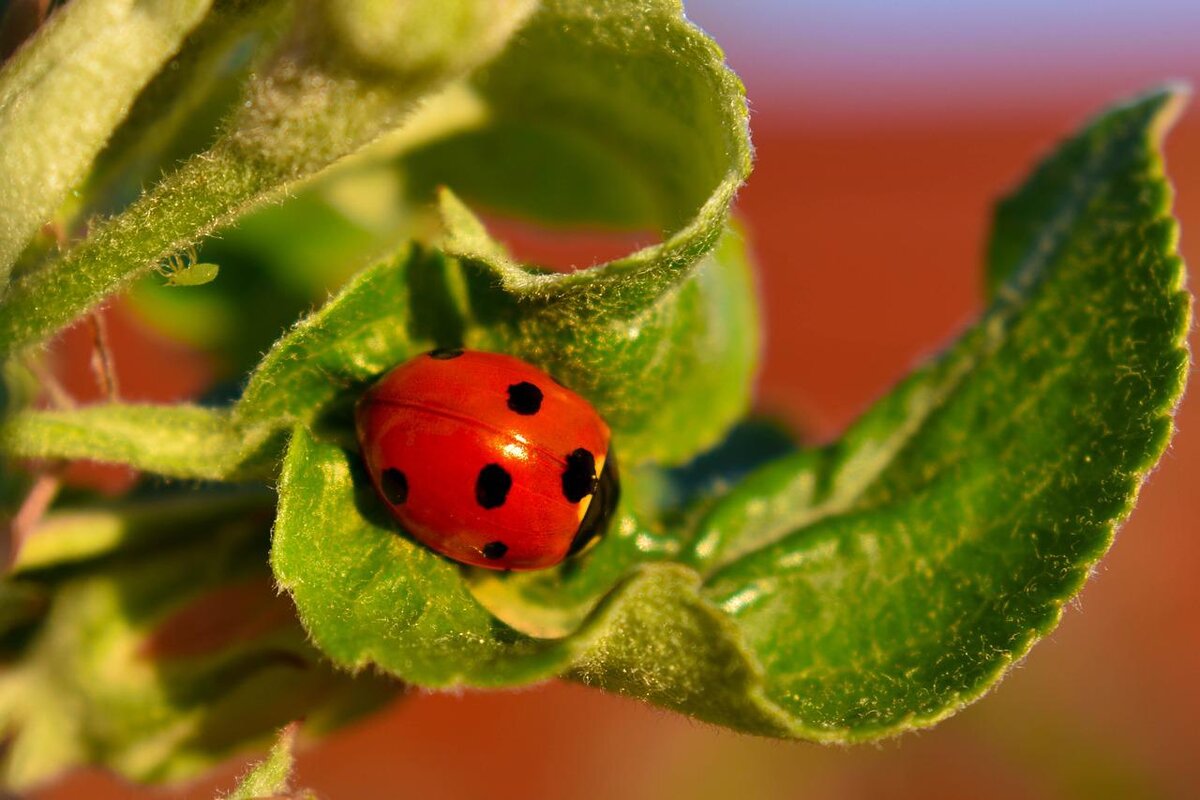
487,459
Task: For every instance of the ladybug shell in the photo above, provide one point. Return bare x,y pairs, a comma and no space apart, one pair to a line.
482,457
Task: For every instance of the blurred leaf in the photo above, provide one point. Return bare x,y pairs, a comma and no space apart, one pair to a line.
63,93
417,39
163,662
179,441
179,113
315,103
69,537
752,443
267,267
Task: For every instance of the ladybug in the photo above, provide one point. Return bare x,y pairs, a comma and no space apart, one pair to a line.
487,459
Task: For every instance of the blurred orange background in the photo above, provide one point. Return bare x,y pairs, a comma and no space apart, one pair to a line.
868,209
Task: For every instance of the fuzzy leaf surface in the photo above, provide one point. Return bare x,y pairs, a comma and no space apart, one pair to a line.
271,777
63,94
313,104
891,578
612,115
179,441
369,595
861,589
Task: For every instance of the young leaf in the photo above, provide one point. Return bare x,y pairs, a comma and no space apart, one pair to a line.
315,103
669,374
179,441
271,777
663,342
65,91
859,590
910,568
665,349
379,319
612,114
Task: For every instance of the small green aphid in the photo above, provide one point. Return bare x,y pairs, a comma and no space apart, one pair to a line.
187,270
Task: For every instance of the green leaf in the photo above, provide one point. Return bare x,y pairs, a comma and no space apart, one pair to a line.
603,112
669,375
64,92
157,669
844,593
179,113
663,347
329,358
663,342
658,639
612,114
369,596
316,103
888,580
273,775
179,441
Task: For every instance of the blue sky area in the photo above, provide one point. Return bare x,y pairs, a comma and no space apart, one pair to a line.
953,50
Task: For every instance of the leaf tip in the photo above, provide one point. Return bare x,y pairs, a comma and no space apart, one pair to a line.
465,236
273,775
1173,97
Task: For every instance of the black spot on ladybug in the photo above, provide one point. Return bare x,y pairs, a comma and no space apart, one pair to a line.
524,398
394,485
600,509
494,550
446,353
579,478
492,485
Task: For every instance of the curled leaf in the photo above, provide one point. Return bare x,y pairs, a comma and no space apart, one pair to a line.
849,592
